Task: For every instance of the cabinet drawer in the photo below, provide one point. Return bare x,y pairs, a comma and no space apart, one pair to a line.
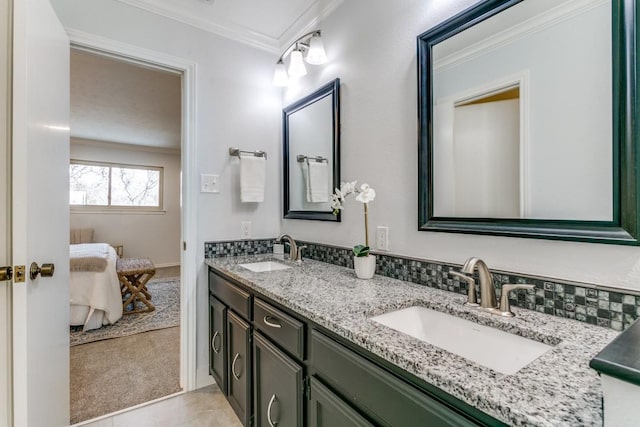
280,327
231,295
386,399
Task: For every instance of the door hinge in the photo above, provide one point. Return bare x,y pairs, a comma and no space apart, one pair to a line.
307,388
184,246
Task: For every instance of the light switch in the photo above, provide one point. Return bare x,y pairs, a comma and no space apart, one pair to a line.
209,183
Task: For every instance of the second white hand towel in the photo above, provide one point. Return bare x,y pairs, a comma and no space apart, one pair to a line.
252,178
319,180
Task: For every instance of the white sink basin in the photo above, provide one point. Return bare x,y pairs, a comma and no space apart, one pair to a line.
501,351
260,267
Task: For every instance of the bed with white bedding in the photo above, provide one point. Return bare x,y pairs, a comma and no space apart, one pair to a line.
94,287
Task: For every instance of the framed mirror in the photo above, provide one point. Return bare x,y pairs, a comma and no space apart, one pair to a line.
526,121
311,154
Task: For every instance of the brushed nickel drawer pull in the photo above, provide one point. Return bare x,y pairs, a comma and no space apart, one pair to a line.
233,367
213,341
271,322
271,402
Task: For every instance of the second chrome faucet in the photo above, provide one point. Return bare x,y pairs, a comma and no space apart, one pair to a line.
488,300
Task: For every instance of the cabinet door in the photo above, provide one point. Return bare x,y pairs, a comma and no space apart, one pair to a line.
328,410
218,342
239,344
278,390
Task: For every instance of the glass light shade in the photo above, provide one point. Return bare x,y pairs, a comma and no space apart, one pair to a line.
296,66
280,77
316,54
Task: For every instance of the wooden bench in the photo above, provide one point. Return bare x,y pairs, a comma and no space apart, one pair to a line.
133,274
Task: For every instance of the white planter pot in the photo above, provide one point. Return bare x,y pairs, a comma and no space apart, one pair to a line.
365,266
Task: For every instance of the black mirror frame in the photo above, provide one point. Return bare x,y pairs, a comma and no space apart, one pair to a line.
330,89
625,226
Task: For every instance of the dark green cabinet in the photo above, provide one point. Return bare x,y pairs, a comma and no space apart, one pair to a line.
386,399
328,410
239,390
279,369
218,342
278,387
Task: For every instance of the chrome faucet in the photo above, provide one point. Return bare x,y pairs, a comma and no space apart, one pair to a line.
487,289
293,247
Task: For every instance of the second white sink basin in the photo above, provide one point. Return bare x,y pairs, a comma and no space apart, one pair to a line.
263,266
495,349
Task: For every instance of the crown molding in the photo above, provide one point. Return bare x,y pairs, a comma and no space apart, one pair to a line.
232,32
533,25
307,22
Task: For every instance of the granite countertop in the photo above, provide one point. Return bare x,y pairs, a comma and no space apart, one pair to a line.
556,389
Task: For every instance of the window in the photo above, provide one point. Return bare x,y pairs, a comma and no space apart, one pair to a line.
109,185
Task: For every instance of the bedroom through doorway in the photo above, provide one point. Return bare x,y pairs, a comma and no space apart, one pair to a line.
125,241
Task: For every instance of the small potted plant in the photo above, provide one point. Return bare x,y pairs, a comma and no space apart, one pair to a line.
363,262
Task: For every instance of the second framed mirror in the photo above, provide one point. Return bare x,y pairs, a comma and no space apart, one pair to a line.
311,154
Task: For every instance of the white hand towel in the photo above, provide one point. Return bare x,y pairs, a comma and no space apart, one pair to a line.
319,180
252,178
305,176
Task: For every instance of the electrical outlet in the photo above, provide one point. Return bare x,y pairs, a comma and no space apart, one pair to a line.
209,183
382,238
245,230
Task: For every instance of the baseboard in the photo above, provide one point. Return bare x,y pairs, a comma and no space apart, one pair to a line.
96,420
168,264
204,379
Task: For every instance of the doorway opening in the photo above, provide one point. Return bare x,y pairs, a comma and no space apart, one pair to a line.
125,167
486,149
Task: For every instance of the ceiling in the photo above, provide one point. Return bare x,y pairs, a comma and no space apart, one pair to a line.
266,24
120,102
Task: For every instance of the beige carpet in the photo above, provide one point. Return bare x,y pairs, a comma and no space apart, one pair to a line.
165,294
118,373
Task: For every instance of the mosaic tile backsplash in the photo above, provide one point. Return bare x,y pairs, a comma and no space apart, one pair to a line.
615,310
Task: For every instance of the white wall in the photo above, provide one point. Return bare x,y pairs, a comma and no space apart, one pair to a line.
236,106
374,55
153,235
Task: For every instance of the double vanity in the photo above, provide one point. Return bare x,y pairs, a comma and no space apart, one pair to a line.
308,343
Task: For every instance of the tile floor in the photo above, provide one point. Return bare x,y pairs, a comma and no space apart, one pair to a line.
205,407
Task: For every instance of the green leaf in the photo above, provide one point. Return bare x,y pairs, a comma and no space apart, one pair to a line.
361,250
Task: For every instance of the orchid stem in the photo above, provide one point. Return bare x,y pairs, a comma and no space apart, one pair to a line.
366,224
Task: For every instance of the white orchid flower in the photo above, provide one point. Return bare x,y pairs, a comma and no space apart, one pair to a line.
347,188
366,194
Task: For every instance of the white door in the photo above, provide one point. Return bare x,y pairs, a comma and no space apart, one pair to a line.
486,149
5,286
40,215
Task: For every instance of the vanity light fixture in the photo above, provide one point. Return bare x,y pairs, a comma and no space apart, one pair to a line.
310,44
